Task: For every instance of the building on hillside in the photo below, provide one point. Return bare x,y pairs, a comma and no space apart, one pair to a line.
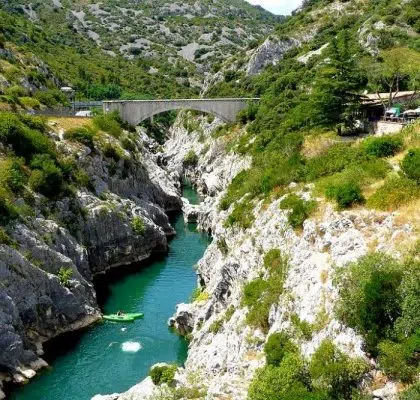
384,120
375,105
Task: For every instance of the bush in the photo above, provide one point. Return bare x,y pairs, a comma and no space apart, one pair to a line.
222,246
346,194
285,382
109,123
260,294
190,159
242,215
370,298
334,372
396,359
51,97
5,238
410,165
412,393
128,144
29,103
277,346
395,192
163,374
64,275
112,151
47,177
8,211
363,173
300,209
216,325
16,91
383,146
138,226
25,140
84,135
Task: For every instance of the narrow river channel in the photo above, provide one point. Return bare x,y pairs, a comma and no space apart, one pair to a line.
112,357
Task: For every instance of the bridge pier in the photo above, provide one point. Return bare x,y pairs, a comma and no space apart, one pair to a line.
136,111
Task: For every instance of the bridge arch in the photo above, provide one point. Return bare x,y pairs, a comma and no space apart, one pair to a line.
136,111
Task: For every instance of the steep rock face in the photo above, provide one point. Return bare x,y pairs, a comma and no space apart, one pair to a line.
82,236
225,351
270,53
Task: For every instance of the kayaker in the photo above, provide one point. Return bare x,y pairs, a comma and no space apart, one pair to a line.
120,313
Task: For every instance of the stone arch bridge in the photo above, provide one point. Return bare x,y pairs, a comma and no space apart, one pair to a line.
136,111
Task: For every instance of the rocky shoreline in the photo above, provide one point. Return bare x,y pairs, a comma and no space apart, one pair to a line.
88,235
224,351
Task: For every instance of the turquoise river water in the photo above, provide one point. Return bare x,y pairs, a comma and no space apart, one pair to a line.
112,357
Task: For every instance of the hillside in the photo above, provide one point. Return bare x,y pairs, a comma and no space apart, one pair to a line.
165,49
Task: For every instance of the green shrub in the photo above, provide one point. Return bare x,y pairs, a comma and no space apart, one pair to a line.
382,146
51,97
16,91
128,144
84,135
285,382
335,159
216,325
409,320
412,393
64,275
303,328
273,260
109,123
222,246
300,209
138,226
363,173
410,165
334,372
82,178
29,102
25,140
190,159
8,211
47,177
398,360
370,298
346,194
4,237
163,374
110,150
277,346
395,192
199,294
242,215
229,313
260,294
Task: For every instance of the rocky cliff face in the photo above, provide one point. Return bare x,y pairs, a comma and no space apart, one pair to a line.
225,351
83,236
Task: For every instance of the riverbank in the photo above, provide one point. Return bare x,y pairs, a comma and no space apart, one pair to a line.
51,253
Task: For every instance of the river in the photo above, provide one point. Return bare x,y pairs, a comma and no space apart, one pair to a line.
112,357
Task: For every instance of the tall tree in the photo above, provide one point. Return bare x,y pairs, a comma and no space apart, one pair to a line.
334,97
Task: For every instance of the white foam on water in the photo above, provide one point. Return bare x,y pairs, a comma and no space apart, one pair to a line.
131,347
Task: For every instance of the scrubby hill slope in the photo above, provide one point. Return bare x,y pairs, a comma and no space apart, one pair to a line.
163,48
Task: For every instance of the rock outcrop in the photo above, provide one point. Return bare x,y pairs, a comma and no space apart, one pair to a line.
47,270
224,351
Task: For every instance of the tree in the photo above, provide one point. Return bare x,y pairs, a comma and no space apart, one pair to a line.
334,98
395,69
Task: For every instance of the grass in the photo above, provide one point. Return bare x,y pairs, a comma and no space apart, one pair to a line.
396,191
